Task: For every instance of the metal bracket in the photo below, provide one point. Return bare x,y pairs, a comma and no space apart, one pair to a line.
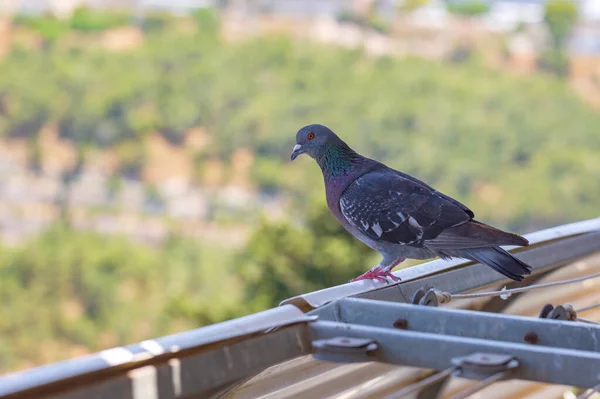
482,365
558,313
345,349
425,298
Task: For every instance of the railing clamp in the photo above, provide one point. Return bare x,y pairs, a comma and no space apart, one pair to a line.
559,312
345,349
426,298
482,365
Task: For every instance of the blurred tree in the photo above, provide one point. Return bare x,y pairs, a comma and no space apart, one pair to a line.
88,20
560,16
156,22
378,24
68,292
468,7
282,260
411,5
131,157
48,26
113,100
208,22
369,19
555,61
349,16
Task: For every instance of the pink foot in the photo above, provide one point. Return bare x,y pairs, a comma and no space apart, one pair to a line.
376,274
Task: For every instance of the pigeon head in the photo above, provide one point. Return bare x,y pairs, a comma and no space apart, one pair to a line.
313,140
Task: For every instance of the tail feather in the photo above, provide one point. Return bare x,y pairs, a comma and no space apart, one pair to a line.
474,234
496,258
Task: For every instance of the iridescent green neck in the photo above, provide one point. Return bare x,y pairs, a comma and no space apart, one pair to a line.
336,159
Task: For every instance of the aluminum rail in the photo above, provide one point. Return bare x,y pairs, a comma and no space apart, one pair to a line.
210,372
225,352
350,343
548,250
464,323
552,351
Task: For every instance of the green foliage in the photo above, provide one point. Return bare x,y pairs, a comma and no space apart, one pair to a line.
156,22
378,24
207,20
349,16
560,16
267,175
555,61
282,260
48,26
66,290
131,156
459,126
371,21
114,185
411,5
468,7
87,20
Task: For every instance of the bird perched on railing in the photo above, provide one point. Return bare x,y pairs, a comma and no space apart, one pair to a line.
400,216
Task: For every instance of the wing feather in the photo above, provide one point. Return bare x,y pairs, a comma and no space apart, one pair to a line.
389,206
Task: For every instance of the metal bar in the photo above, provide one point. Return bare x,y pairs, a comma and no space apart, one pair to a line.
589,392
427,382
116,388
433,391
118,361
497,304
201,374
435,351
483,384
542,258
586,321
223,366
586,308
564,243
464,323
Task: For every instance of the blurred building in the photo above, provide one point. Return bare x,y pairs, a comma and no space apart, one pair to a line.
506,15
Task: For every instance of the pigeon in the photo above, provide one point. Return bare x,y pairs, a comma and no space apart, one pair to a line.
400,216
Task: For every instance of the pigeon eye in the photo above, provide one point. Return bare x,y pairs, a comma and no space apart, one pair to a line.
310,136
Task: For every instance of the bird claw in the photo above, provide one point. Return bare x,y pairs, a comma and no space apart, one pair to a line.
377,274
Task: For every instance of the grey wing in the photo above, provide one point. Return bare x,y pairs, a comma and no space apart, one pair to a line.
455,202
387,206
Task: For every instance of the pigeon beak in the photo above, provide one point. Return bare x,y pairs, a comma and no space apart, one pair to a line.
296,151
